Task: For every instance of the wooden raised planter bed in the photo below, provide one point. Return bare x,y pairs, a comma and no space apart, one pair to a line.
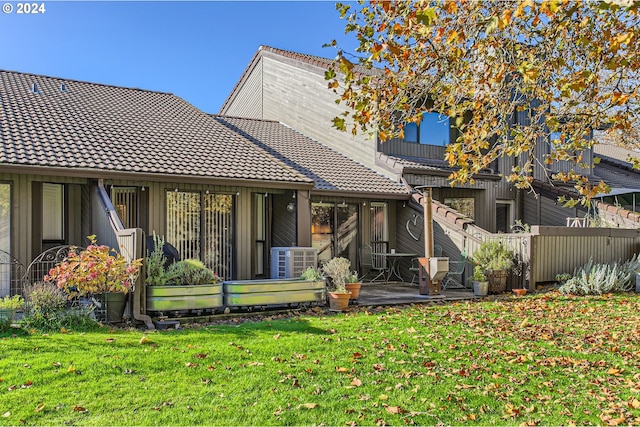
184,297
244,293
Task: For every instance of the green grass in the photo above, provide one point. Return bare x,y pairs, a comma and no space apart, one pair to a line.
539,360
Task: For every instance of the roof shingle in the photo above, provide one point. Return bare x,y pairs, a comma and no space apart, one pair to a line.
101,127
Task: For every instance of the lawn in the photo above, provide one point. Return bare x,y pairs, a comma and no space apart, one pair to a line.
538,360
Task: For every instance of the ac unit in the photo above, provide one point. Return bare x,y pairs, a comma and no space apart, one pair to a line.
291,262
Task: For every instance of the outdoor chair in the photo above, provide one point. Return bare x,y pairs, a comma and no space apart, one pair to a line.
367,264
453,279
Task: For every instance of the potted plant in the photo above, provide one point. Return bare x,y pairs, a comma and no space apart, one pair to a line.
480,282
8,307
352,283
96,272
337,269
184,285
496,260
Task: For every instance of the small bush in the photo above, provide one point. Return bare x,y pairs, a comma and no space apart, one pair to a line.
78,319
45,297
191,272
598,279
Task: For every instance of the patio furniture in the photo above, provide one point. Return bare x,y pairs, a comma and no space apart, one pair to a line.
453,279
392,260
366,263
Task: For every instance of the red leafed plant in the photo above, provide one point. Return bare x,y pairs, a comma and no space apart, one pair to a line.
94,270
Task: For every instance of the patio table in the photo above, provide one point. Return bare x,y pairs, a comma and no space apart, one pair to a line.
393,261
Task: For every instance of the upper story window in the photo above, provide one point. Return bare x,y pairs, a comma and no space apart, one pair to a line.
434,129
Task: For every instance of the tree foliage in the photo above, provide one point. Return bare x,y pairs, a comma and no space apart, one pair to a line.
565,68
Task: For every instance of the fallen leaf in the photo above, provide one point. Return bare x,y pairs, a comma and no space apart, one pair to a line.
6,414
383,397
27,384
309,405
110,340
145,340
342,369
40,407
356,382
276,336
394,409
71,368
77,408
191,365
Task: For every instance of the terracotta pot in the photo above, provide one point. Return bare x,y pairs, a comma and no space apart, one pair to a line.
339,301
519,291
354,288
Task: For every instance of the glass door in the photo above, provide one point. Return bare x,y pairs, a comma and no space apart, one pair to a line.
334,231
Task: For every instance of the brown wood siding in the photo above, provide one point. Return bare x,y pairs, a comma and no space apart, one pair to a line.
22,231
283,222
398,147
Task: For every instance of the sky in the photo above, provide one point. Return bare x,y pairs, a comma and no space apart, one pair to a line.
195,50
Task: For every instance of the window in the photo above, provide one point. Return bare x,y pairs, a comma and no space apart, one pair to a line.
334,231
379,230
53,212
5,241
125,202
434,129
260,231
200,226
464,205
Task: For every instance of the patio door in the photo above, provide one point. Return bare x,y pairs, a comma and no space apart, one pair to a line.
201,226
334,231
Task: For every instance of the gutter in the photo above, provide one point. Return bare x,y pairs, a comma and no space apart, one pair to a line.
155,177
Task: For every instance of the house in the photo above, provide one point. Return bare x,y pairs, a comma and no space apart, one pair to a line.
223,190
290,87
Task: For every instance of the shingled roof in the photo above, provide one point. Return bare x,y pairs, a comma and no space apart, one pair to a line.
74,125
331,171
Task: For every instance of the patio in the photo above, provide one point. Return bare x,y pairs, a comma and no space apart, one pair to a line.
375,294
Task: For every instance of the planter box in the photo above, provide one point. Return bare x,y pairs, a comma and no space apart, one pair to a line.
6,316
239,293
184,297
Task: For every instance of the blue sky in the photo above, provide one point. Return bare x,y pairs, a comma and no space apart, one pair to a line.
195,50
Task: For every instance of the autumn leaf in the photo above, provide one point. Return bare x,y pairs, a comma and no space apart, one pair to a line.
342,370
308,405
356,382
77,408
6,414
71,369
394,409
145,340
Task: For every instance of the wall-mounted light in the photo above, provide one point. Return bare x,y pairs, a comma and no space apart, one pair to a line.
291,207
266,194
364,203
294,195
175,189
142,189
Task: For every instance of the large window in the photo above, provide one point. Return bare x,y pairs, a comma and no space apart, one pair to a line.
200,226
379,231
53,212
260,233
334,231
5,237
434,129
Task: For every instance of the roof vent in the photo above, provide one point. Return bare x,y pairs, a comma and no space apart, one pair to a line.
63,88
35,88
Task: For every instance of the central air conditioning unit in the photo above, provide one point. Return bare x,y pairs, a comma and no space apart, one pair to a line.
291,262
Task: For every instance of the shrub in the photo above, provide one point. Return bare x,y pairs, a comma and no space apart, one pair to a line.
598,279
493,255
155,264
191,272
45,297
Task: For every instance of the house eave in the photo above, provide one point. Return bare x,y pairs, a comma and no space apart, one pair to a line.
360,194
155,177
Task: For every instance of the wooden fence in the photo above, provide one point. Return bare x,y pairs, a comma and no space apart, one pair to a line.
546,251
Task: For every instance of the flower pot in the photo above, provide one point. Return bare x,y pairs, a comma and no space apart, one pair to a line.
112,305
519,291
497,281
339,301
480,289
354,288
